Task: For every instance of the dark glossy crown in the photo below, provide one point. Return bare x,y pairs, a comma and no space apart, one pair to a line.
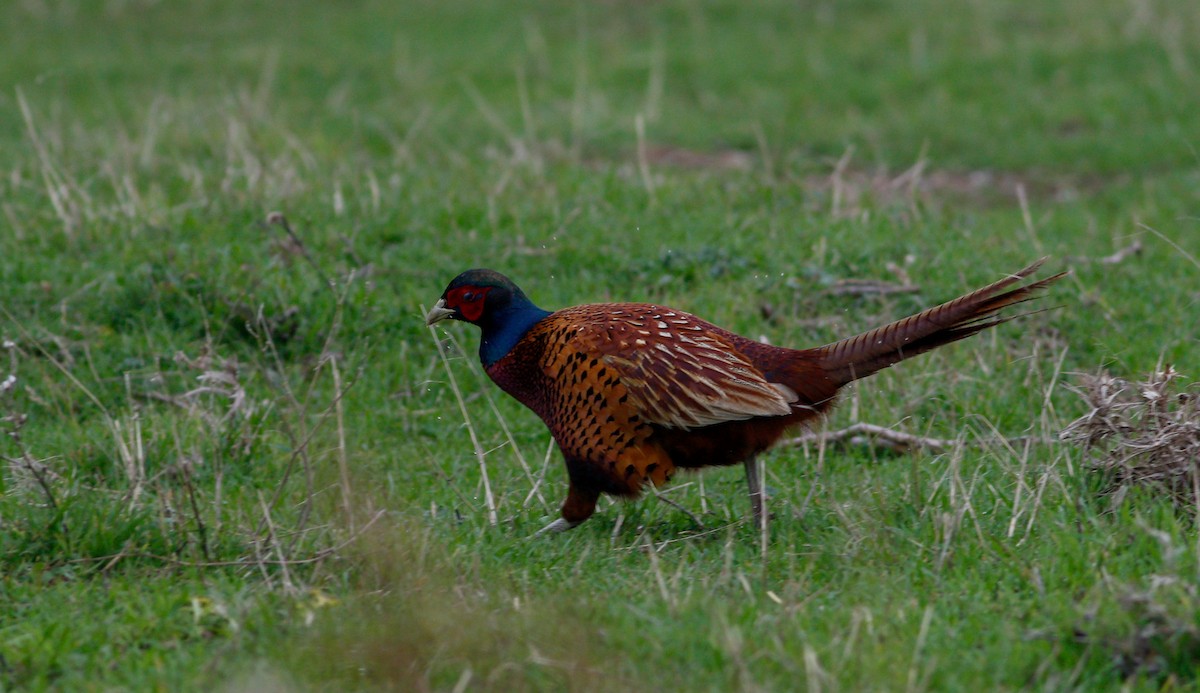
483,277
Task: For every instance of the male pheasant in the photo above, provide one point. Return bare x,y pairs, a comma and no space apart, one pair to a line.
632,392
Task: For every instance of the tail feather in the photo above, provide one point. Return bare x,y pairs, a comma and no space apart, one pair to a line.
869,352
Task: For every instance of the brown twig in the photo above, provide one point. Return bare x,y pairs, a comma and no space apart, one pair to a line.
1122,254
186,471
277,219
860,433
896,440
659,495
35,468
16,422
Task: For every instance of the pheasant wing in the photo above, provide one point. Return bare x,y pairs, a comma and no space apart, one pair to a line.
678,371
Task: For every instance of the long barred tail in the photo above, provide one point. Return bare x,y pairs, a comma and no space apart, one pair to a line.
869,352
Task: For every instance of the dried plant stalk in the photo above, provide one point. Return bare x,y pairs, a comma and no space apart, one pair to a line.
1143,434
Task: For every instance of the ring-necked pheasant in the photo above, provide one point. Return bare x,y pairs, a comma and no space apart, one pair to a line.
632,391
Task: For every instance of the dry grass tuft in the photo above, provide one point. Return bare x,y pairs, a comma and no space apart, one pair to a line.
1142,434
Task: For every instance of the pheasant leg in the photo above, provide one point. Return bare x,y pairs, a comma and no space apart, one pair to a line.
754,484
579,506
559,525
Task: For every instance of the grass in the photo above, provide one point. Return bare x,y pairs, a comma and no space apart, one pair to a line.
233,457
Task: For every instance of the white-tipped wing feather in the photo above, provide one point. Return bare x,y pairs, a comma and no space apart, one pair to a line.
677,371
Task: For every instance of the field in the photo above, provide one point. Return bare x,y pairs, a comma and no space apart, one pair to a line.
235,459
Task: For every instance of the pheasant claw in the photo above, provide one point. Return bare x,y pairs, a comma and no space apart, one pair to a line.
559,525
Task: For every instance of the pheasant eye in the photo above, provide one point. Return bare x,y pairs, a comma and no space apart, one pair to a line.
469,296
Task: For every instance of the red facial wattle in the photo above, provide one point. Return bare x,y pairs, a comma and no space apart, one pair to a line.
468,301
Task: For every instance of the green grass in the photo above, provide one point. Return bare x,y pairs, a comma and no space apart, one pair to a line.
315,518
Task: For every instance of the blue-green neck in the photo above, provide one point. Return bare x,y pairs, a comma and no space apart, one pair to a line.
502,329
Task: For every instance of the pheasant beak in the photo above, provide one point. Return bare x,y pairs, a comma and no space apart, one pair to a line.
438,312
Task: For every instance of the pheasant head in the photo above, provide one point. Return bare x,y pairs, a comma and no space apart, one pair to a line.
492,301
